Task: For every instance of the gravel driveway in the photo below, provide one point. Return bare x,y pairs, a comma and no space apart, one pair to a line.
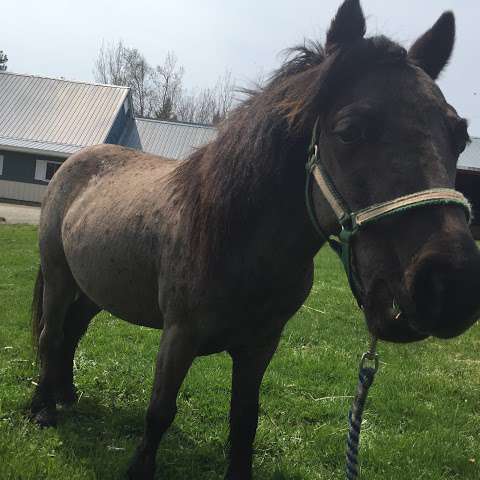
19,214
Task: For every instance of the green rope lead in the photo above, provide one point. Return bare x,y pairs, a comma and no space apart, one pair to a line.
365,379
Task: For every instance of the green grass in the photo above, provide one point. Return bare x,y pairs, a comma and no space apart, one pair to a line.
422,419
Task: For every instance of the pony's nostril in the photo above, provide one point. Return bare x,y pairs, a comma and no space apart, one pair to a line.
444,289
429,294
434,294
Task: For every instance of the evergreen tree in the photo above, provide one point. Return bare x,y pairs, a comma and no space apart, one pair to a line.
3,61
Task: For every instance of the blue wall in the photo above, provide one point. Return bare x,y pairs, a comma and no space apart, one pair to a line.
20,167
118,127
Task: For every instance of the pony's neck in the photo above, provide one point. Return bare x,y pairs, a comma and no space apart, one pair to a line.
268,218
242,203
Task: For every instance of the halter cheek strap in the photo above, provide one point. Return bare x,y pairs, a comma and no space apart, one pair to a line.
351,222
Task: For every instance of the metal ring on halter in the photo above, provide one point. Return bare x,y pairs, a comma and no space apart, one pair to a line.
371,357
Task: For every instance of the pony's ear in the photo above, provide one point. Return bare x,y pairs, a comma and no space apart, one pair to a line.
432,50
347,26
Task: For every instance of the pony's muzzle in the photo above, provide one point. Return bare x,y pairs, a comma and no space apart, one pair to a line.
446,293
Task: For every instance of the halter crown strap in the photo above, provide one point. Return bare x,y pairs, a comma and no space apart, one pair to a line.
328,190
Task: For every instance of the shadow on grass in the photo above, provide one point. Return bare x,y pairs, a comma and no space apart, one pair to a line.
281,476
102,440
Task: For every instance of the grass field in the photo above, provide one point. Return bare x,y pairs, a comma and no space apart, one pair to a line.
422,419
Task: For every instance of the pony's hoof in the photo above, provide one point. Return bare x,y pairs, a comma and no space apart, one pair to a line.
66,396
46,418
139,474
139,470
242,474
237,476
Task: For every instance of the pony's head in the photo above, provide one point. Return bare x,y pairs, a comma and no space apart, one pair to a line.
385,130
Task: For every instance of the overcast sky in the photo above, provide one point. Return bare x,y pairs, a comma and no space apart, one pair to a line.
62,37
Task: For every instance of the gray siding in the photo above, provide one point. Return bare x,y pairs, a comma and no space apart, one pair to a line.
25,192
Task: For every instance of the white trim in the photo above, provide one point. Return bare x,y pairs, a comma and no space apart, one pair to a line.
41,169
1,164
37,151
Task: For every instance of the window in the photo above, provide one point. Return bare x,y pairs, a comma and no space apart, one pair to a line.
1,164
51,169
45,169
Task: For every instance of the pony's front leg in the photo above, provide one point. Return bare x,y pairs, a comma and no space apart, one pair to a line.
177,351
249,365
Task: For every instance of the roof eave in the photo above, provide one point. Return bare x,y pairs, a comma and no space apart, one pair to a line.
35,151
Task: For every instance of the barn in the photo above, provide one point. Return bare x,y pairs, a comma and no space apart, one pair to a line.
44,120
468,180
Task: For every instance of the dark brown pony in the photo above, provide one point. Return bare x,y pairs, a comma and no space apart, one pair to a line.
218,250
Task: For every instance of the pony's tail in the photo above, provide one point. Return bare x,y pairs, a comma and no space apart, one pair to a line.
37,310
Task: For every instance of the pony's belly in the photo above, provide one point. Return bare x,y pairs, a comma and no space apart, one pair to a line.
116,277
126,296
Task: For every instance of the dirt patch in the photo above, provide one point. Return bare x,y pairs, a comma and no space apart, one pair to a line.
10,213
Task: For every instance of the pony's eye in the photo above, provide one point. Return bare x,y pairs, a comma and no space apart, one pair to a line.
460,136
350,134
373,132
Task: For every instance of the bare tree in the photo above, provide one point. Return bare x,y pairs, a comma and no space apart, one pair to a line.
119,65
208,105
187,107
197,106
167,81
110,66
139,79
224,96
158,92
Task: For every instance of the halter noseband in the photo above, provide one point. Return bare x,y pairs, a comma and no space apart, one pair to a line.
351,222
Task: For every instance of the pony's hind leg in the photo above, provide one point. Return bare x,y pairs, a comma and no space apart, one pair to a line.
78,317
58,292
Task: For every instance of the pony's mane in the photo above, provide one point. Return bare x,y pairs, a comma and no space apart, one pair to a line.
224,183
298,59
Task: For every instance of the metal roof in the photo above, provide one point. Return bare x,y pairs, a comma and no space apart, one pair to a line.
54,115
167,139
45,148
470,158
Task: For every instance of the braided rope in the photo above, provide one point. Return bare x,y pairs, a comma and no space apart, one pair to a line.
366,375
